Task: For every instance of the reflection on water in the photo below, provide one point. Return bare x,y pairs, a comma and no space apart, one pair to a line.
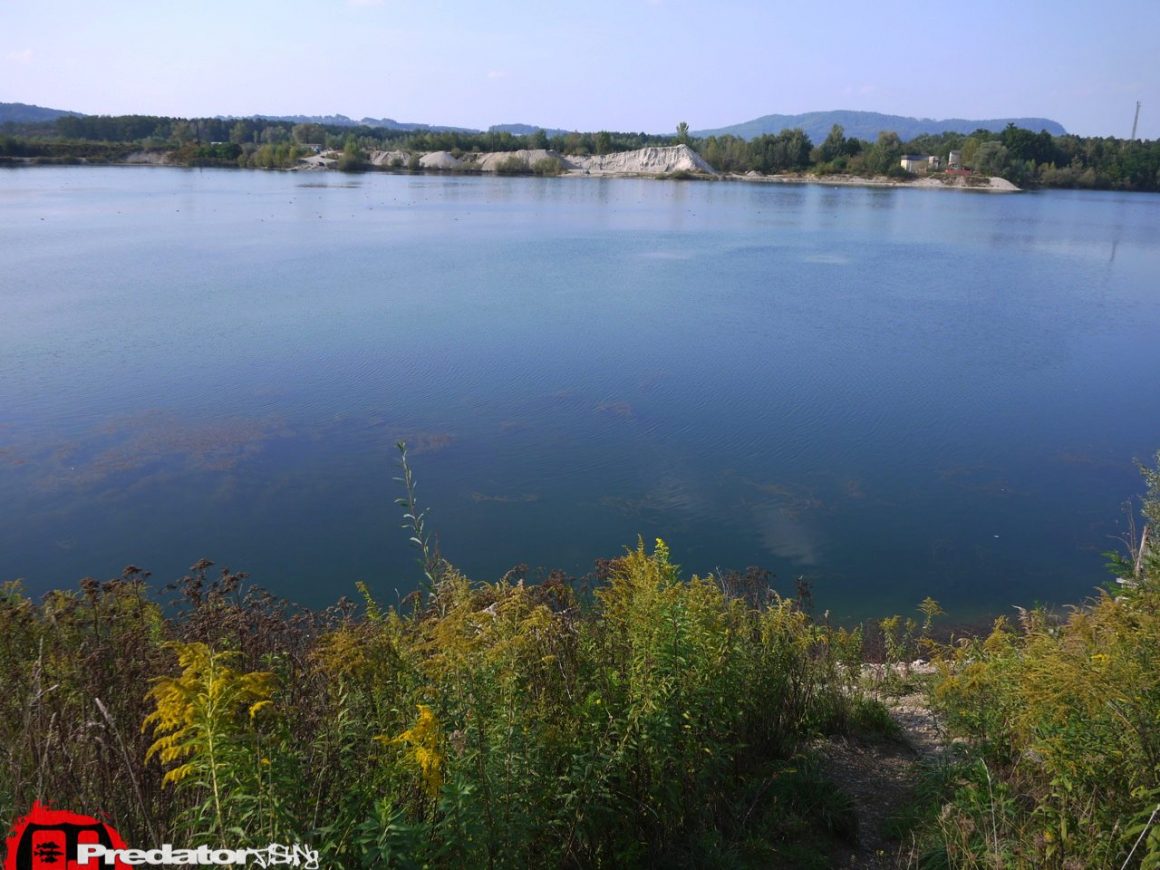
788,537
896,393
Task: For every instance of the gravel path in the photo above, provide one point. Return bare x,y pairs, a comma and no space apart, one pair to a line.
879,775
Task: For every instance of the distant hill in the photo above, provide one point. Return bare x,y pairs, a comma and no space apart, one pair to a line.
344,121
863,125
867,125
22,113
524,129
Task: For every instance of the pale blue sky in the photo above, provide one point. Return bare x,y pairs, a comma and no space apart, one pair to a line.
624,65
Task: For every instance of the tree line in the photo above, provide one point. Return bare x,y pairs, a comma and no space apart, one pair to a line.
1024,157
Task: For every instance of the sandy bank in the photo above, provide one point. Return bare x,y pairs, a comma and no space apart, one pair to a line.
644,162
390,159
980,183
495,161
317,161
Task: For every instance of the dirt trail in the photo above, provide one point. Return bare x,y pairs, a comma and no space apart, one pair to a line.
879,775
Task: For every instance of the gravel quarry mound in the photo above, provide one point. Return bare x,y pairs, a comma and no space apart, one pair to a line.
493,161
439,160
389,158
643,162
646,161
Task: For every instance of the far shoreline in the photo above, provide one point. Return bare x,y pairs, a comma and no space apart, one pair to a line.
670,163
993,184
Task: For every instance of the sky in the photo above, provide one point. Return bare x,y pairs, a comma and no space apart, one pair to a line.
623,65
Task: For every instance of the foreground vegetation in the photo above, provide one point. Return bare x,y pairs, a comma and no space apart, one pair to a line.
653,722
501,724
1024,157
1059,723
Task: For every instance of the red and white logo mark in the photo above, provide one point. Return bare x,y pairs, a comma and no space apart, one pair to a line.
50,839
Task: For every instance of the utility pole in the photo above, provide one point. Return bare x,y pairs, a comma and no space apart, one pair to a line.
1136,121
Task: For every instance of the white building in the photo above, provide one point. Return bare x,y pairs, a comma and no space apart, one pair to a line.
921,163
915,162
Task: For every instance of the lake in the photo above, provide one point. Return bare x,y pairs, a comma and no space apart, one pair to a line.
895,393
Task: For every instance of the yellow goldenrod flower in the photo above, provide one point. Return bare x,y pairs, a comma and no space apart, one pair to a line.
423,738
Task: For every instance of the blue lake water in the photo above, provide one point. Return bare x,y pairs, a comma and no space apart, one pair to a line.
894,393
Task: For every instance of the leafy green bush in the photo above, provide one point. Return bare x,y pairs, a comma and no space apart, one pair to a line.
548,166
513,165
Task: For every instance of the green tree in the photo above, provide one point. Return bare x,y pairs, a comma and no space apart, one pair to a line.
885,155
834,145
353,158
789,149
308,134
184,132
241,133
991,158
683,133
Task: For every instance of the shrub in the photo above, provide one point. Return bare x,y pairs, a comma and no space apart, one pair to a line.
512,165
548,166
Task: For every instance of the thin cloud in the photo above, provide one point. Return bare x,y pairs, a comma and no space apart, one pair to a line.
364,2
498,74
24,56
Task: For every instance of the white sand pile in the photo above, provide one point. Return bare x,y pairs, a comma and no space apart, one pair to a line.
439,160
646,161
991,184
491,161
979,183
389,158
318,161
1001,185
